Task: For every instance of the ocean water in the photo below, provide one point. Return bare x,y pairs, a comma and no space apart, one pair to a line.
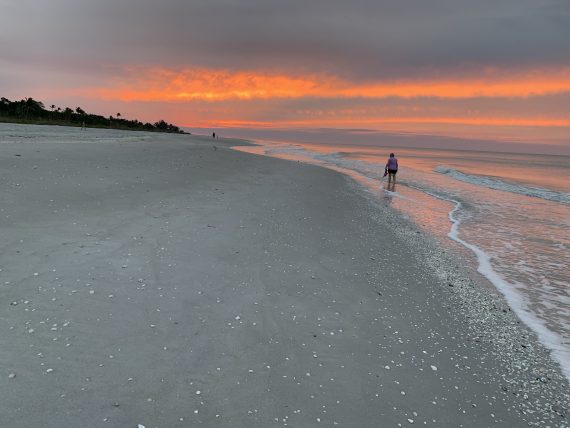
509,213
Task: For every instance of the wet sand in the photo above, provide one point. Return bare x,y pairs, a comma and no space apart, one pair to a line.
159,280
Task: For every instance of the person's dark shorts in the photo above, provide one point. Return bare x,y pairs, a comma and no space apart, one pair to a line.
392,171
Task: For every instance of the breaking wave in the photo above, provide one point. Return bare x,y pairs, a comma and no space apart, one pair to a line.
496,184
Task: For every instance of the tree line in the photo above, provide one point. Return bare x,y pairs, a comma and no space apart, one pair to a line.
29,110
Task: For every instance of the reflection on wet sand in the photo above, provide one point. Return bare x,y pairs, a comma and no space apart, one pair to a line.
389,188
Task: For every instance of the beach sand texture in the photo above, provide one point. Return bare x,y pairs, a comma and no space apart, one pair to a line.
152,279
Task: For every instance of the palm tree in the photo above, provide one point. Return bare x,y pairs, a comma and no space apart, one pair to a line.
68,112
32,106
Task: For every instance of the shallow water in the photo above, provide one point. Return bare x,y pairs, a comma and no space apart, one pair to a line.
511,211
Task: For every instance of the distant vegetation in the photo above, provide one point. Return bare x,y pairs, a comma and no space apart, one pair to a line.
32,111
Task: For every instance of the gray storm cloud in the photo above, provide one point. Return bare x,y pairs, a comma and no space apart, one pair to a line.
358,39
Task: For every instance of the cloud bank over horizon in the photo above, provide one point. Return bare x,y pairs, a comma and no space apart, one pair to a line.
320,63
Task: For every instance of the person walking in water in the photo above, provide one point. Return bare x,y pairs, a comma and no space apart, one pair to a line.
392,168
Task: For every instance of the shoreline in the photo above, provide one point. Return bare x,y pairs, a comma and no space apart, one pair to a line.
474,285
478,268
237,290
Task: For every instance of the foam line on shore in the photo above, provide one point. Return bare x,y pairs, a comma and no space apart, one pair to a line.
548,338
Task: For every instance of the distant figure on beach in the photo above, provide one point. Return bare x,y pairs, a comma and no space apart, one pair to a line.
213,135
392,168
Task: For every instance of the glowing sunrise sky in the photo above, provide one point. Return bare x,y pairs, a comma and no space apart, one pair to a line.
479,69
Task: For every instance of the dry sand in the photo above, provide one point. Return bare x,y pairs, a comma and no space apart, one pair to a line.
152,279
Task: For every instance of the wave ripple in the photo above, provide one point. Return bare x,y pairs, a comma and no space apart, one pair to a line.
496,184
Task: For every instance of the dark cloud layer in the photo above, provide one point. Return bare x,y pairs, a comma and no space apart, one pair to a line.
102,55
357,38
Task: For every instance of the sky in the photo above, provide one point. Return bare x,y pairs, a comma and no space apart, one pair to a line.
492,69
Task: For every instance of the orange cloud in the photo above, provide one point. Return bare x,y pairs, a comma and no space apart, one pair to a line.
140,84
224,99
204,84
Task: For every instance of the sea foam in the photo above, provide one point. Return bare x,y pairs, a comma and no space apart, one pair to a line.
550,339
496,184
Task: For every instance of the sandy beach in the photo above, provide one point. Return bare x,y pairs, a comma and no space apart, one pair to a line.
170,281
